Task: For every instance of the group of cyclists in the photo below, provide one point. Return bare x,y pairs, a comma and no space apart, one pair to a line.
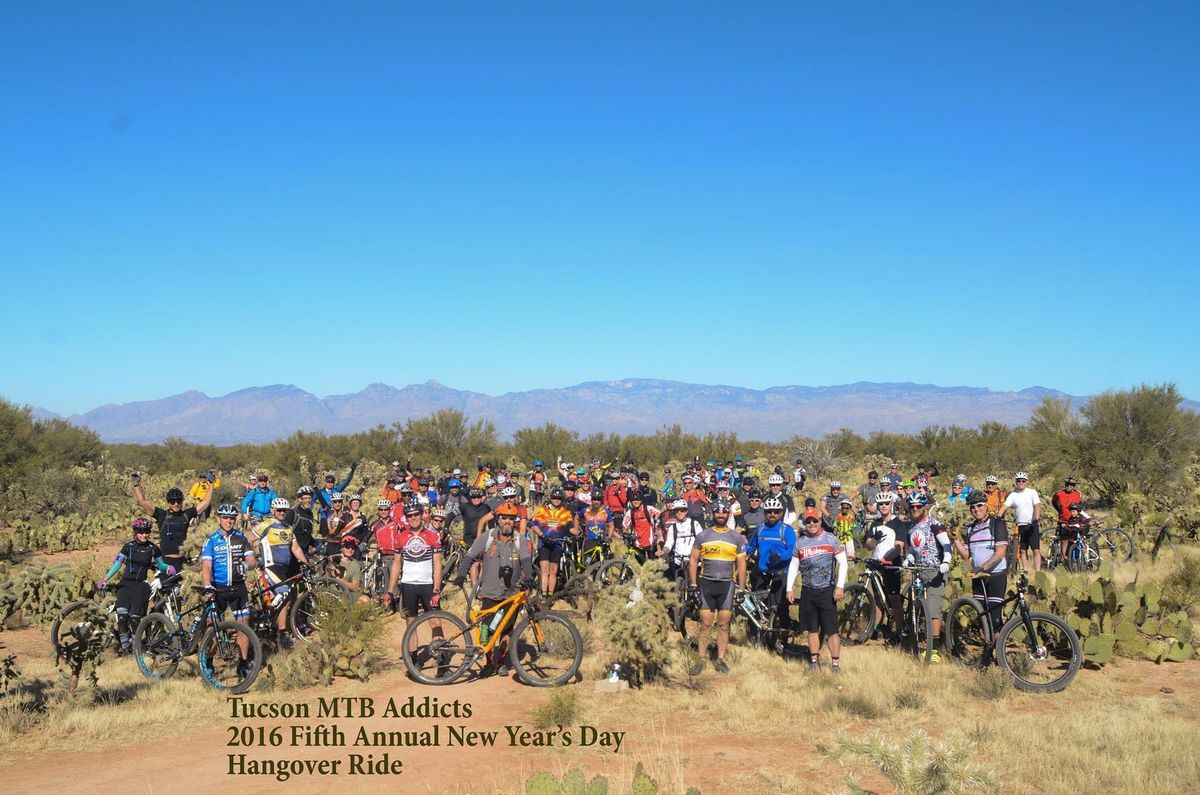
718,526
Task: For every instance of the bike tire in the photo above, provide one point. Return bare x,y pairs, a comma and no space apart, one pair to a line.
458,640
920,630
614,571
217,645
1115,543
545,649
1058,647
688,624
157,647
59,620
304,617
856,615
968,633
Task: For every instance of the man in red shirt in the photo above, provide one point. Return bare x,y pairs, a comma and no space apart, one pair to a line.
641,521
1064,498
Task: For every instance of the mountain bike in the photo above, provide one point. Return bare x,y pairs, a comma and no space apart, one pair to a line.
1038,650
545,648
1112,543
864,605
453,551
302,606
79,623
376,574
916,625
160,643
763,622
1082,554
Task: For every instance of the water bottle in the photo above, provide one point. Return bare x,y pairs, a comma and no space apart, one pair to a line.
496,621
614,675
748,603
196,623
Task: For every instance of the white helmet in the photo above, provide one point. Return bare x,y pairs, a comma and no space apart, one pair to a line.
991,479
960,478
280,502
885,496
678,504
835,484
775,480
354,497
335,496
772,504
383,503
1020,476
508,491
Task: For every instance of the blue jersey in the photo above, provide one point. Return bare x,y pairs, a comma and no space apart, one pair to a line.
779,539
228,556
257,502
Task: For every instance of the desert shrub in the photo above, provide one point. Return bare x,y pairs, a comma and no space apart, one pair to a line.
919,765
635,624
1181,587
560,709
304,666
989,684
860,706
351,636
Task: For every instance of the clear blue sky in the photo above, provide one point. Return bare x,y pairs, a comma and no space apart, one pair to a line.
219,195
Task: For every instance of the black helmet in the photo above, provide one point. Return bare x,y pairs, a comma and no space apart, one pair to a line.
556,493
597,495
174,495
720,506
475,493
754,494
643,476
976,498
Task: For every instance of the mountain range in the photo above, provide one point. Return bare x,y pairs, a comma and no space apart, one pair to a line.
263,414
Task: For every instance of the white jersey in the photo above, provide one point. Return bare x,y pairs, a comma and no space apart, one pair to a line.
681,536
1022,503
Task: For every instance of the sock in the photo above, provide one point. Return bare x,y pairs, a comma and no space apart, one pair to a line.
837,661
814,658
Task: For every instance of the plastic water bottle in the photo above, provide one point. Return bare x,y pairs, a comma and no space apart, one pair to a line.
748,603
614,675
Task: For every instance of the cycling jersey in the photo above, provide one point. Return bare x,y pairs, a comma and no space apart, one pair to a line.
1063,500
641,522
982,538
884,535
173,528
720,548
257,502
995,501
301,521
554,524
537,482
595,524
138,557
275,541
1022,503
814,561
844,525
616,497
928,542
387,534
417,548
681,536
776,539
228,555
200,489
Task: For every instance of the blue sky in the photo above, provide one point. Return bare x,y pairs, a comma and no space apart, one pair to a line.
222,195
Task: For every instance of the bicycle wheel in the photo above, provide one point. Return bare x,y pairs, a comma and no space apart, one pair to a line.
220,655
613,571
437,648
545,649
84,625
1045,662
856,615
1076,563
157,646
968,633
311,608
1114,543
688,624
919,629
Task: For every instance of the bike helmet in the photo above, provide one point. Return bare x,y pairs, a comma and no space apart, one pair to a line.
141,525
872,474
475,493
1070,481
538,463
354,497
406,488
413,507
597,495
1020,476
382,503
885,496
772,504
835,484
280,504
754,494
556,493
688,478
799,461
636,494
1075,506
300,492
508,491
720,506
174,495
960,478
991,479
775,480
505,512
679,505
977,498
917,498
643,476
722,484
454,483
570,485
227,509
335,496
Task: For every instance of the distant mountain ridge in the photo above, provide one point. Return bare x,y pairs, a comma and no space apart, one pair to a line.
633,405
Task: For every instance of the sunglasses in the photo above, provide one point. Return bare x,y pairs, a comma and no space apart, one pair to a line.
772,511
438,519
812,521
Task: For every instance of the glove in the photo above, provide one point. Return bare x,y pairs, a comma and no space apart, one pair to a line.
208,589
909,561
102,584
136,478
388,599
171,571
693,591
944,568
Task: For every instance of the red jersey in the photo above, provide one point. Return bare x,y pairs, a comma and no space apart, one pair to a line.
1063,500
386,535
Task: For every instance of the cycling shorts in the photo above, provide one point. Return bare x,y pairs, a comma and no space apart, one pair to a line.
415,599
132,596
716,594
275,576
1030,536
891,580
232,597
818,611
551,554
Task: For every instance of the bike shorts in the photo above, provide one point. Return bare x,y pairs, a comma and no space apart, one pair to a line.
891,580
1030,536
818,611
550,554
275,576
133,596
415,599
232,597
716,594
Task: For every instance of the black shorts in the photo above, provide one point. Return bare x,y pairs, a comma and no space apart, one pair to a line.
1030,536
232,597
551,554
891,580
716,594
132,596
415,599
818,612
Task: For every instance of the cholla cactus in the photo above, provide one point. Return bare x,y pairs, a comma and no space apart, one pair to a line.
635,623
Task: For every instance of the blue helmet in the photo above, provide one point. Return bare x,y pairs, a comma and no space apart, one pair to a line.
538,463
454,483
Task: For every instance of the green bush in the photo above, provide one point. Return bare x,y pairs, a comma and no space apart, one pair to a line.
635,624
560,709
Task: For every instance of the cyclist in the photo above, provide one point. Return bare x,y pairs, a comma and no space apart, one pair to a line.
829,504
845,523
817,552
799,476
725,495
986,547
300,518
928,545
893,477
325,495
223,561
723,552
537,483
1027,510
570,501
668,489
649,495
505,565
452,500
694,496
473,510
772,547
359,524
885,541
995,495
753,517
681,533
867,492
173,522
256,505
279,547
417,566
508,496
1078,525
1064,498
205,482
616,497
775,489
640,523
551,524
596,522
958,491
133,594
349,570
